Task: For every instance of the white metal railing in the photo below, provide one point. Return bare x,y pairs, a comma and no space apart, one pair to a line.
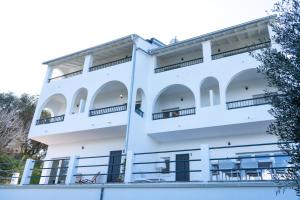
230,163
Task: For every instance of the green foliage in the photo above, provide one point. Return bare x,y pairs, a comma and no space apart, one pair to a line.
281,66
21,108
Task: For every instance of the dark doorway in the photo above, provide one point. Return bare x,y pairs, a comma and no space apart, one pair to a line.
114,166
182,167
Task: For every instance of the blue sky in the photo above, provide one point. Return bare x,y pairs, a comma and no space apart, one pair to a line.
34,31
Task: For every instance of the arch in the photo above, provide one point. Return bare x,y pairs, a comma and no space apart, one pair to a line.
55,105
140,100
109,94
247,84
174,96
79,101
209,92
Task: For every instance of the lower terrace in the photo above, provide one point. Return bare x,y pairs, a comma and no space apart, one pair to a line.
231,163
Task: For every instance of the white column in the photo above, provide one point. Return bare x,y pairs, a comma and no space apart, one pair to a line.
72,170
206,46
48,74
205,163
128,167
27,172
211,97
88,62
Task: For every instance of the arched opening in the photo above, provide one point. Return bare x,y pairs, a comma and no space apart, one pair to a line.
209,92
174,101
53,109
247,88
111,97
79,101
140,102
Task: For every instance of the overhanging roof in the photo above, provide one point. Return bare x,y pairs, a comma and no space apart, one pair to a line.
121,41
212,35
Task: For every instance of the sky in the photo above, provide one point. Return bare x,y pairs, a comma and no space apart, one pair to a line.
34,31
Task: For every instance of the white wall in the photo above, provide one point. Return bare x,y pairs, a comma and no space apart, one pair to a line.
150,192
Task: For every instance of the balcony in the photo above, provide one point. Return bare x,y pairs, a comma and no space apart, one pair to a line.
107,110
66,69
50,120
68,75
237,163
178,65
109,64
174,113
110,98
171,100
248,102
183,57
53,110
240,42
247,89
241,50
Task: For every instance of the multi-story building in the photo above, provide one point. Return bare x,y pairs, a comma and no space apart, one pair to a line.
142,112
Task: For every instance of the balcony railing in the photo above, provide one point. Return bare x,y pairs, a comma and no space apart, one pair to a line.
251,165
174,113
248,102
50,120
241,50
9,174
66,75
152,166
109,64
178,65
139,112
107,110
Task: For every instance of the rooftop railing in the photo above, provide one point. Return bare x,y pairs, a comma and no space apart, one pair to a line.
178,65
248,102
244,164
107,110
66,75
50,120
241,50
174,113
109,64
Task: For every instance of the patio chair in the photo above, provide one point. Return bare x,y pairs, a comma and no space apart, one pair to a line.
228,168
90,181
250,168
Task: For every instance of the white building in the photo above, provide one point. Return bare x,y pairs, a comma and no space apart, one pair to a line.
143,114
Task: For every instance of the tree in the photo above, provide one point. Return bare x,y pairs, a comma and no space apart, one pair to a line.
281,66
16,114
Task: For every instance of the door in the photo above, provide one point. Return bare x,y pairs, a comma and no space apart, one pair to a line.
182,167
58,171
114,166
53,172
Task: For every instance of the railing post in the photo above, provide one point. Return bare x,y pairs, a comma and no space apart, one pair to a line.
205,163
15,178
88,63
72,169
128,167
27,172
